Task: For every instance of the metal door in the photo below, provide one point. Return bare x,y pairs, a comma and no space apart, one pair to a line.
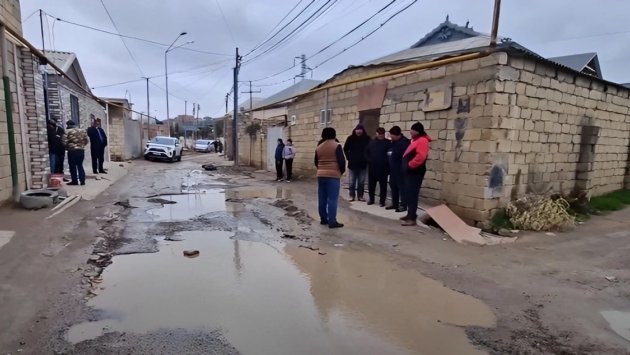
273,134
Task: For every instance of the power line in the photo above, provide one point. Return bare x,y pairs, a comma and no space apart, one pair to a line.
29,16
329,45
226,22
295,30
368,35
274,27
122,39
283,27
134,37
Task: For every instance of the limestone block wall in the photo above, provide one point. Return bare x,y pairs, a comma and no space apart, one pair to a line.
10,14
35,113
562,130
59,91
459,160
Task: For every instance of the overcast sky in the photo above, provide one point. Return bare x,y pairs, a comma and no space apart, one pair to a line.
551,28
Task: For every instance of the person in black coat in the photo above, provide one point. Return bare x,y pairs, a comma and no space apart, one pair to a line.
56,148
378,166
98,142
354,148
396,179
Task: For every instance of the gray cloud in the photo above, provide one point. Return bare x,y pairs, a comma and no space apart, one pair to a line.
550,28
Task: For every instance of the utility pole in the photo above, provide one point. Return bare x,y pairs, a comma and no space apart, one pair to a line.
237,67
198,129
43,63
303,67
250,92
148,113
495,23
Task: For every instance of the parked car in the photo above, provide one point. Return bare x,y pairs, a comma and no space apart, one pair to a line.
163,148
204,145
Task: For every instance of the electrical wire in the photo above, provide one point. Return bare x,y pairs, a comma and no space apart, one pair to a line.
134,37
295,30
368,35
283,27
327,46
133,58
226,22
29,16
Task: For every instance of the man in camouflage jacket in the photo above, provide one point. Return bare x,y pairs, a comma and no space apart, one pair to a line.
75,141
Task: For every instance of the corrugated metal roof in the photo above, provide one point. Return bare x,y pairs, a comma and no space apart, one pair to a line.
63,60
288,93
432,51
575,61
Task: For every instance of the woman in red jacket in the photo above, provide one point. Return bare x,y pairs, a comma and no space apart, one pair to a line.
414,168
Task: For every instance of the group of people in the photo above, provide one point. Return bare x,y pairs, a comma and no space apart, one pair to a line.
73,140
284,155
399,160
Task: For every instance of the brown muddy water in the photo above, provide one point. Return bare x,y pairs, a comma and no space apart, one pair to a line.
278,298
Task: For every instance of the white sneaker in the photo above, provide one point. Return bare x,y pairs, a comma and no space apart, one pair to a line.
288,180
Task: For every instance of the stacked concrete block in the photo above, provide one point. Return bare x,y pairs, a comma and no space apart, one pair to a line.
545,115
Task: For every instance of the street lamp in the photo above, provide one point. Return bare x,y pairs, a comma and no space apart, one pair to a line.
170,48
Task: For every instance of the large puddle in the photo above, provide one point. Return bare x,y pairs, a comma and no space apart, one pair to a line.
279,299
188,205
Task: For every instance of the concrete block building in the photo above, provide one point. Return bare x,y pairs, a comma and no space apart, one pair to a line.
505,121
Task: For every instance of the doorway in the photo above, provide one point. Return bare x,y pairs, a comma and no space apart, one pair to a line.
370,120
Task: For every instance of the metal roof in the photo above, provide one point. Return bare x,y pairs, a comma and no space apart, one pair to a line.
288,93
63,60
433,51
578,62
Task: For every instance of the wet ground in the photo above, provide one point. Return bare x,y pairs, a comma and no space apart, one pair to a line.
265,291
268,279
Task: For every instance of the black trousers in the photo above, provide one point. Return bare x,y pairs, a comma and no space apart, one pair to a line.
289,165
58,169
413,182
397,185
98,156
377,175
279,174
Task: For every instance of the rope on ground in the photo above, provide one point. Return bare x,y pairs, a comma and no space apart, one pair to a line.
540,214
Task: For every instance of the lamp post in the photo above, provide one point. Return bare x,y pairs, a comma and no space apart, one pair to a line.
170,48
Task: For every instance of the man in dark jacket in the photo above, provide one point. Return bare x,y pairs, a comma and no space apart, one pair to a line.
396,180
378,166
355,147
279,160
98,142
55,147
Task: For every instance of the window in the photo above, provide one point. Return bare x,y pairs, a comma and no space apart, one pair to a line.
293,120
325,117
74,110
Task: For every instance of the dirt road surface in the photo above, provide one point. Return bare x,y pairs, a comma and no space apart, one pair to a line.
109,276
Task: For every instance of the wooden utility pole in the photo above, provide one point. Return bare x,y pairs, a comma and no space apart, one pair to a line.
250,92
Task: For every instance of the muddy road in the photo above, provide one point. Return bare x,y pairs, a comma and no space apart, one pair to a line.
174,260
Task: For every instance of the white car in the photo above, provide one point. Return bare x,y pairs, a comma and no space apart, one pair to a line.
163,148
204,145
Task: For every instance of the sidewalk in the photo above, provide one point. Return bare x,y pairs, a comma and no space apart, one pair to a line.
96,184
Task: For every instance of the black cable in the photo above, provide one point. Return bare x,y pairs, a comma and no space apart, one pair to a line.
122,39
366,36
283,27
134,37
329,45
226,23
299,27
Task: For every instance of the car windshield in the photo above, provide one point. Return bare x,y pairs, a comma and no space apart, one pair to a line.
163,140
202,142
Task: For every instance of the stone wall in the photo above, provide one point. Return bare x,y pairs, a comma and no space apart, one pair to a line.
457,168
59,92
564,131
5,162
35,112
10,14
